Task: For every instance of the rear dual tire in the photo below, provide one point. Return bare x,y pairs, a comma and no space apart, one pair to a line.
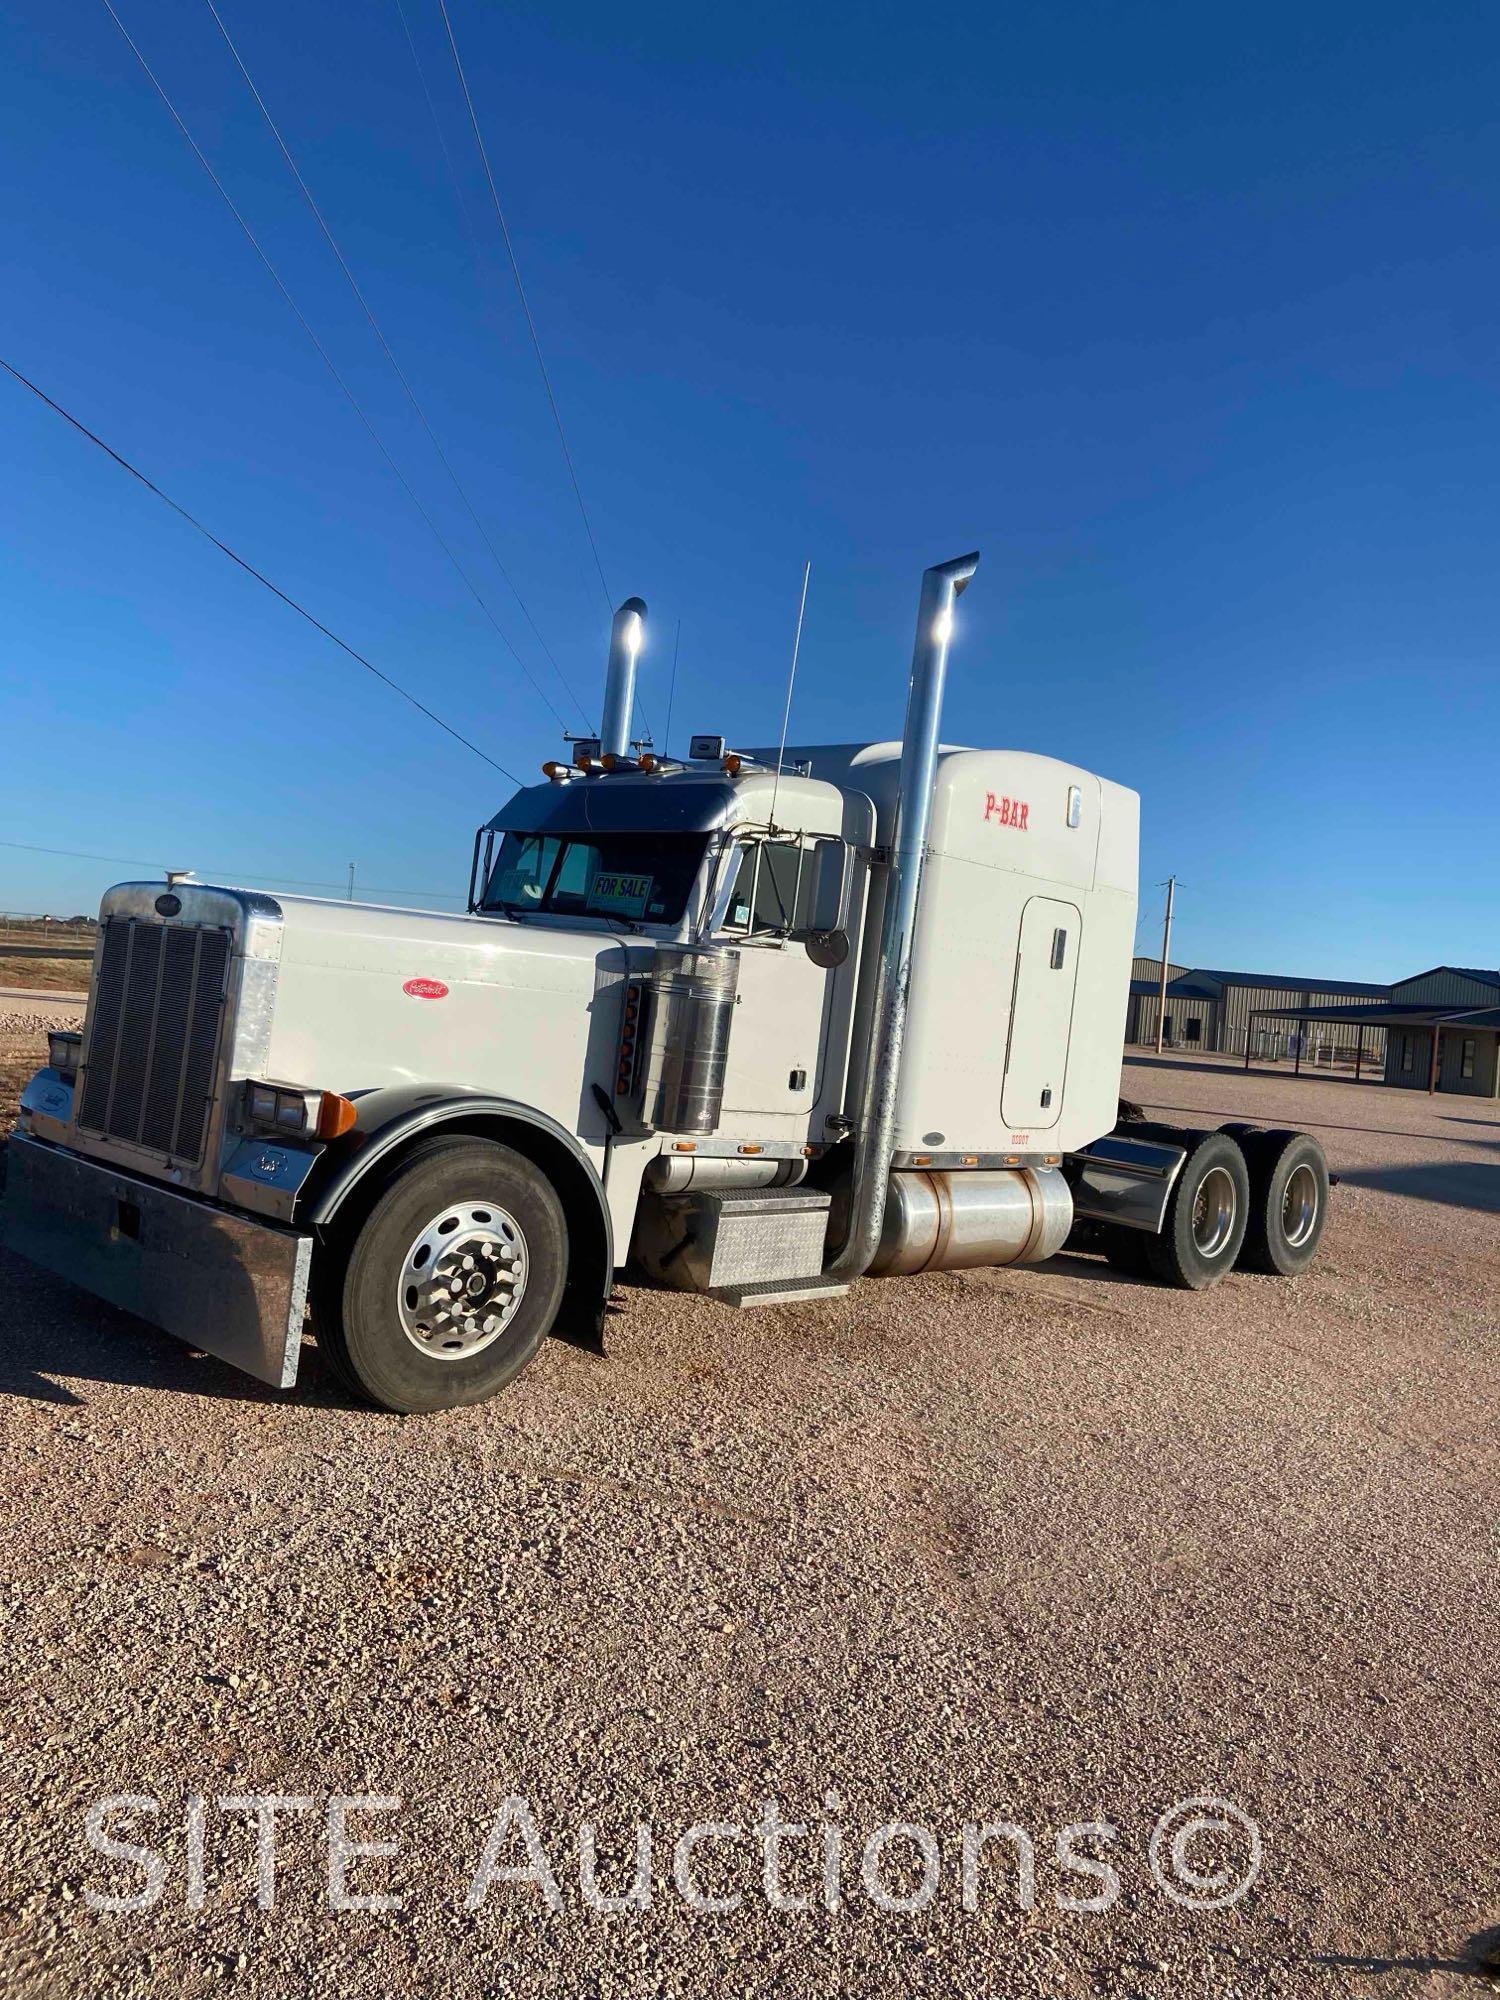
1125,1249
1206,1216
1205,1221
1288,1200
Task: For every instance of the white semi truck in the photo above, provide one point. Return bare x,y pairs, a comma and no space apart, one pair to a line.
756,1024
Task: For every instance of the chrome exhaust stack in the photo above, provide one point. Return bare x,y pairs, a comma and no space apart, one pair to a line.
626,637
874,1139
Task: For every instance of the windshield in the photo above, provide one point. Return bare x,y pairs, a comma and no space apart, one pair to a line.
641,877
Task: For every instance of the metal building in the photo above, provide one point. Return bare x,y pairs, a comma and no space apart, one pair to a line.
1212,1009
1440,1030
1145,984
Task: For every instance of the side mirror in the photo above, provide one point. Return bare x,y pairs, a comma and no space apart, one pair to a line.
825,933
479,877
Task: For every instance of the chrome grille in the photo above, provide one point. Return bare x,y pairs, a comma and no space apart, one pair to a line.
153,1033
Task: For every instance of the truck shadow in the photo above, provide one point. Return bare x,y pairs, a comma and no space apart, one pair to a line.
1199,1112
1456,1184
50,1330
1478,1958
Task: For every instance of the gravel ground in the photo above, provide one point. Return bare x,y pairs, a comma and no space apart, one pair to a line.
1044,1547
24,1018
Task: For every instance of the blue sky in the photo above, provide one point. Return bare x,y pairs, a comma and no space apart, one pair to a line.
1186,317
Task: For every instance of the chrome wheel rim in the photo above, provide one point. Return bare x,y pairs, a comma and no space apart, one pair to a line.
1299,1206
1215,1206
462,1280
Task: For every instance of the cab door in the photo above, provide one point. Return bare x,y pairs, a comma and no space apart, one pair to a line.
778,1043
1041,1014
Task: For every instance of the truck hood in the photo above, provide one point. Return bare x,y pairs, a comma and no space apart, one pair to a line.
354,997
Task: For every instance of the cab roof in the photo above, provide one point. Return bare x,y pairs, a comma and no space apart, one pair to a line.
696,799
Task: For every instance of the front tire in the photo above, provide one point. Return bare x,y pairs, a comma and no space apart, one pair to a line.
453,1279
1205,1221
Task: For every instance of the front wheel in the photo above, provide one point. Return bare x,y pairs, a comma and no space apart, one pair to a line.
453,1279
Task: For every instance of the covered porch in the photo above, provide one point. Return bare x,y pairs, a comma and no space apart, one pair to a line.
1439,1048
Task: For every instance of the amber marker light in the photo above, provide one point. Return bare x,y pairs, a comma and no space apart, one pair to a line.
336,1115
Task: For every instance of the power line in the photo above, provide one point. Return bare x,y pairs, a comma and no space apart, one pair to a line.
437,126
385,346
325,357
250,569
525,303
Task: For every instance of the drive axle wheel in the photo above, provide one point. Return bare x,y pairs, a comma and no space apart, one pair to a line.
1205,1221
1125,1250
453,1279
1288,1202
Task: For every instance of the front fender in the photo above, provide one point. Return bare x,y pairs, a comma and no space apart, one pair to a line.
388,1120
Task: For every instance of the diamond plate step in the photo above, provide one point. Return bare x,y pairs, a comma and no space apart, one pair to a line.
780,1291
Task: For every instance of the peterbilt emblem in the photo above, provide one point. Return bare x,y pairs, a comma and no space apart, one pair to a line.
426,989
168,906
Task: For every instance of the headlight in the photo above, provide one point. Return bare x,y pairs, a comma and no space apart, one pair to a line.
297,1114
64,1047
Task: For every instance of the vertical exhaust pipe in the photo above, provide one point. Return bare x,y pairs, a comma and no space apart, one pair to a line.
626,637
874,1139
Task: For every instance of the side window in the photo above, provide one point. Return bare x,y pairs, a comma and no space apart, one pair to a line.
772,889
1466,1068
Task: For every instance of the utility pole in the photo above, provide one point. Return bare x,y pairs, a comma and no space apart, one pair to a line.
350,896
1166,953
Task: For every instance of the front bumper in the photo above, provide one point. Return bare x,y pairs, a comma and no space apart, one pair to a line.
234,1287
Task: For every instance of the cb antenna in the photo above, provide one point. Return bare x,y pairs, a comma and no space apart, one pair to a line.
666,739
786,713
